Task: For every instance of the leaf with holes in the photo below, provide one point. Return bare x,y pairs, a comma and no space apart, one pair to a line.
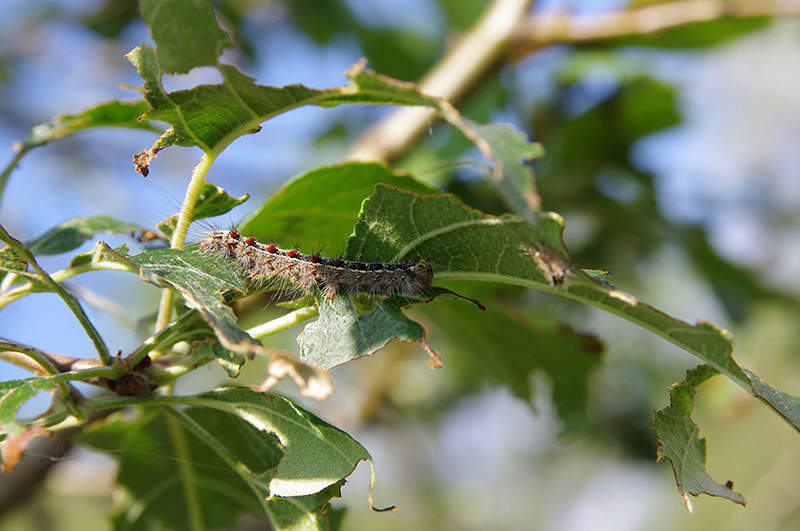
464,244
223,456
678,440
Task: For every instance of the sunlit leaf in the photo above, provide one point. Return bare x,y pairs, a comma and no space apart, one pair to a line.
212,201
110,114
464,244
220,458
317,211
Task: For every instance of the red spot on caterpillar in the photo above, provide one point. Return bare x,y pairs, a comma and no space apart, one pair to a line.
292,253
338,262
271,248
314,259
250,241
234,234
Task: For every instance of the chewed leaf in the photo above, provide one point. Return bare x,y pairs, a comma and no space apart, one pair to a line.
678,440
14,393
110,114
458,241
212,116
512,153
202,279
72,233
341,334
464,244
186,32
235,431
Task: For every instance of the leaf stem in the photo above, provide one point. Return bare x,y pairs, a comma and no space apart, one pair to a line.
41,358
69,300
9,168
162,337
179,236
60,276
184,460
283,322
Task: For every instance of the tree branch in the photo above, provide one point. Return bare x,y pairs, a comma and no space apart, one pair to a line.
463,67
503,34
539,31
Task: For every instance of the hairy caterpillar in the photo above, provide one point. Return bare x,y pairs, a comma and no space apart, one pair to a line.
312,271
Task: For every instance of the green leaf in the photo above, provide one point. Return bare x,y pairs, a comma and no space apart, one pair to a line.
72,233
786,405
212,116
212,201
507,348
14,393
318,209
186,32
315,456
109,114
230,361
203,466
201,278
341,334
113,113
12,262
512,154
464,244
678,440
101,255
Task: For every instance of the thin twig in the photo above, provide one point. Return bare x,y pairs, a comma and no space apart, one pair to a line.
20,152
283,322
59,276
71,302
515,36
179,236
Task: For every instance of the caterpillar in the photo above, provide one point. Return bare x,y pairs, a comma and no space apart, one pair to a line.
331,276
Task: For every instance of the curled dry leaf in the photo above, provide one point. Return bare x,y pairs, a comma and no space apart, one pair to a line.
313,382
14,445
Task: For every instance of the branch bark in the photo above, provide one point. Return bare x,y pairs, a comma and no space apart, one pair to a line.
462,68
539,31
504,33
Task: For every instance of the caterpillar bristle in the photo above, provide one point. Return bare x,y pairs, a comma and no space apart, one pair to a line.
267,263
